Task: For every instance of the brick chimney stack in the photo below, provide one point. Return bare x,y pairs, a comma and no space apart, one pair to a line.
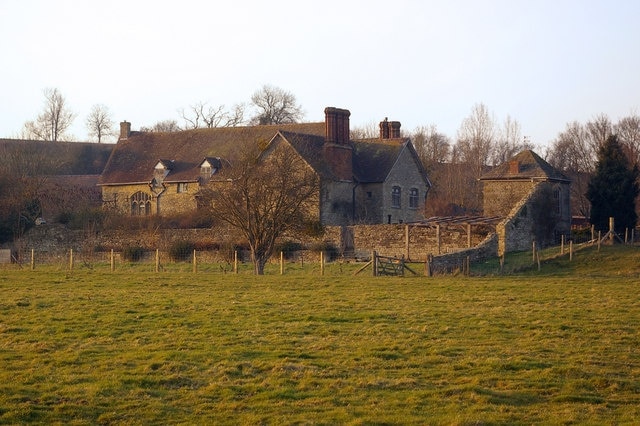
389,129
125,129
394,129
337,125
384,129
338,153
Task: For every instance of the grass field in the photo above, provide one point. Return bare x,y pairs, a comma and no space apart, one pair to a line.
559,346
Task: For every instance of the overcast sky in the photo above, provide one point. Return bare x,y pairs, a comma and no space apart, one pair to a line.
544,63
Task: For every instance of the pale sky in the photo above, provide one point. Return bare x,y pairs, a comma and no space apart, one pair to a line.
543,63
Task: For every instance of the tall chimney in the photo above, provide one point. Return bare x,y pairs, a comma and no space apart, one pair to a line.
394,129
338,153
384,129
337,125
125,129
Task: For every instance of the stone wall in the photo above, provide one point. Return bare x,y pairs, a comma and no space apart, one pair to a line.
360,240
449,263
391,240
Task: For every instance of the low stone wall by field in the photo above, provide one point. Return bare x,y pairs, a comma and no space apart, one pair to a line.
415,243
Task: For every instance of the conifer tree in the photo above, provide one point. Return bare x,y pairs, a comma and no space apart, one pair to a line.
613,188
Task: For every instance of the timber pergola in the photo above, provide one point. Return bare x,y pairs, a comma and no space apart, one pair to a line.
465,221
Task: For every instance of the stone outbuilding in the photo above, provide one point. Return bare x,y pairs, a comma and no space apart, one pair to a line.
533,197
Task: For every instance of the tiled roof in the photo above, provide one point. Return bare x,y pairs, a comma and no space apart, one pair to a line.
310,147
133,160
529,166
374,158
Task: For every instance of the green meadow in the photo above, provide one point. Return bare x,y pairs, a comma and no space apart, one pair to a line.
559,345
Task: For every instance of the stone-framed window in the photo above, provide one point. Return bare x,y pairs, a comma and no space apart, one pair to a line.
182,187
413,198
557,200
396,197
140,204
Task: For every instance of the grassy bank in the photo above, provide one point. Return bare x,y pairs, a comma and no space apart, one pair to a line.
559,347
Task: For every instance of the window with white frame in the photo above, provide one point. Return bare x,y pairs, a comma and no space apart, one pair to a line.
183,187
413,198
396,197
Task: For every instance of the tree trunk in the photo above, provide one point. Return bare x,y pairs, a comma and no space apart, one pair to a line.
259,261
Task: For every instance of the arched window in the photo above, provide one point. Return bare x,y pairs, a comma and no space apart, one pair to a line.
140,204
396,194
413,198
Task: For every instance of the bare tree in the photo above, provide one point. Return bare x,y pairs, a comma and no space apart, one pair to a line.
573,154
628,131
599,129
476,138
270,193
509,142
275,106
369,130
162,126
432,146
54,120
99,122
202,115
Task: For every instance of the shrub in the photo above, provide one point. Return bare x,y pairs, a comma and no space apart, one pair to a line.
181,250
132,254
64,217
331,250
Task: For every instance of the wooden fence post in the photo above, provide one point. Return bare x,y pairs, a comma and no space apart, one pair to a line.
438,239
611,229
599,232
195,262
322,263
534,251
281,263
33,259
112,262
235,262
427,265
406,240
71,259
570,250
157,260
374,263
562,245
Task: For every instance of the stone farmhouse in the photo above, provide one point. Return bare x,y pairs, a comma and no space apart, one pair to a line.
373,181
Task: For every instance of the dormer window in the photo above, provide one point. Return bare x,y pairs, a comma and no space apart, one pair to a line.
209,167
161,170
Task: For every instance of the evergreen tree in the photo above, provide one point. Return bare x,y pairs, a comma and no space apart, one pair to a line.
613,188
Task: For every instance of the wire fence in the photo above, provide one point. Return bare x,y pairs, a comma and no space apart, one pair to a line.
186,259
193,261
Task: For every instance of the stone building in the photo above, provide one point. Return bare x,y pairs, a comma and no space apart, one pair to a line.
533,197
379,180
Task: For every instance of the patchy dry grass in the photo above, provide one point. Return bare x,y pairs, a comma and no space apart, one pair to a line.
143,348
